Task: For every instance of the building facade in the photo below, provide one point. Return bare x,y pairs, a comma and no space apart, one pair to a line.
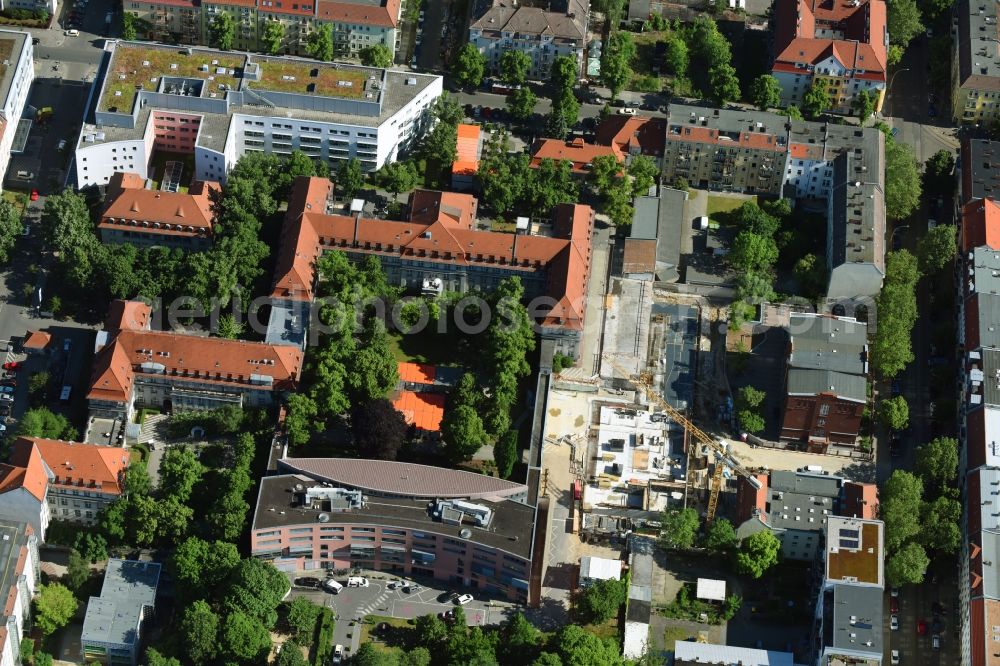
157,218
976,64
543,33
17,72
19,578
137,366
220,105
113,625
438,249
409,519
838,46
354,25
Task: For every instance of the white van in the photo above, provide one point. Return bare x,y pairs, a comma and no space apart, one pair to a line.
357,581
330,585
72,33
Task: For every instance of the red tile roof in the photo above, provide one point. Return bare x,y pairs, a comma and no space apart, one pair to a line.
860,500
194,358
863,26
78,465
981,225
577,151
424,410
37,340
386,16
415,373
158,212
128,315
25,470
467,151
441,232
646,134
299,245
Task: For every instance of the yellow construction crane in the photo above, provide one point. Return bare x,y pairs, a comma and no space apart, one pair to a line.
725,459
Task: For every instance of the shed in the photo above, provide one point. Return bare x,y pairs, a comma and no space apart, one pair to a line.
711,589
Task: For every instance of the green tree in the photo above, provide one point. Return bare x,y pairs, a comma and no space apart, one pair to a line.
725,85
644,173
55,606
349,177
556,125
256,588
902,181
903,20
547,659
600,600
180,470
616,62
505,453
899,508
291,655
430,630
319,43
720,536
816,100
936,249
200,567
301,418
753,252
272,36
514,66
70,232
77,571
766,92
199,632
894,413
758,553
10,229
302,616
40,422
373,372
222,31
229,512
864,104
897,311
136,481
604,170
937,462
520,639
469,66
907,565
155,658
676,57
229,328
93,547
552,184
376,55
939,170
128,26
812,275
398,177
793,112
244,637
463,432
679,528
940,521
521,103
579,647
563,74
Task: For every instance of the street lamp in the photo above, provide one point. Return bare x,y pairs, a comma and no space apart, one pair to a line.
893,78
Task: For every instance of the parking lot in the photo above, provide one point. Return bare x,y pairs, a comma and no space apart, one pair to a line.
352,604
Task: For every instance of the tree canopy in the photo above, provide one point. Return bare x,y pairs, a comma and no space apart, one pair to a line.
319,43
616,61
379,429
816,100
758,553
766,92
907,565
894,413
600,600
937,462
469,66
937,249
55,606
899,508
902,179
514,66
891,350
376,55
679,529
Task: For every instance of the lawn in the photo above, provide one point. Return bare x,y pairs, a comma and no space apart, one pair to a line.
671,634
424,347
395,635
18,199
719,204
607,630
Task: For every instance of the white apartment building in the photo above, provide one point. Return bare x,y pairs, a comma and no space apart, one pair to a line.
17,71
219,105
19,578
542,34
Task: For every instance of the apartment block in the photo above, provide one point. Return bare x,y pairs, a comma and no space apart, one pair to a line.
137,366
17,72
976,63
979,170
634,135
755,152
50,479
838,46
795,506
437,249
543,31
220,105
113,625
577,152
19,578
137,215
355,24
413,520
848,622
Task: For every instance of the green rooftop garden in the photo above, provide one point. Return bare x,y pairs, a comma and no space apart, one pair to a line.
308,78
135,68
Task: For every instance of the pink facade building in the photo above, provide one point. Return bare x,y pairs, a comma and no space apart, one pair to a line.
415,520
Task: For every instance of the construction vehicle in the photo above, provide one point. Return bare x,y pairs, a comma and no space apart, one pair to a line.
724,458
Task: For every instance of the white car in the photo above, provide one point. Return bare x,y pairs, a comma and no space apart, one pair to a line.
357,581
338,654
464,599
626,112
894,622
894,657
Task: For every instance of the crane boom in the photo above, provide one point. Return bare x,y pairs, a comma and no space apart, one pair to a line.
697,433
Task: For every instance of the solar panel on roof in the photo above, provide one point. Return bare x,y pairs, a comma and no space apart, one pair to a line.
850,534
849,543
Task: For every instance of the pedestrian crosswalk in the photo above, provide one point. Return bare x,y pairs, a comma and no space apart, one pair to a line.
376,605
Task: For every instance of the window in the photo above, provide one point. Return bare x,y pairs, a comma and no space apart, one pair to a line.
824,410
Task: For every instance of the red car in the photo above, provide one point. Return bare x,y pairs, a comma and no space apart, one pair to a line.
34,195
12,365
893,605
922,627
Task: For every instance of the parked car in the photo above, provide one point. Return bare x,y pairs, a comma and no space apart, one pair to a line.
464,599
8,382
411,587
894,623
6,389
332,586
936,642
338,654
12,365
626,111
6,397
894,657
894,605
307,582
922,627
357,581
447,616
447,597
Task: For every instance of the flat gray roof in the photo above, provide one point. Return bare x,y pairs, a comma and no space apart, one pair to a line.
12,43
812,382
13,537
991,380
978,56
113,618
802,501
981,166
510,530
857,619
